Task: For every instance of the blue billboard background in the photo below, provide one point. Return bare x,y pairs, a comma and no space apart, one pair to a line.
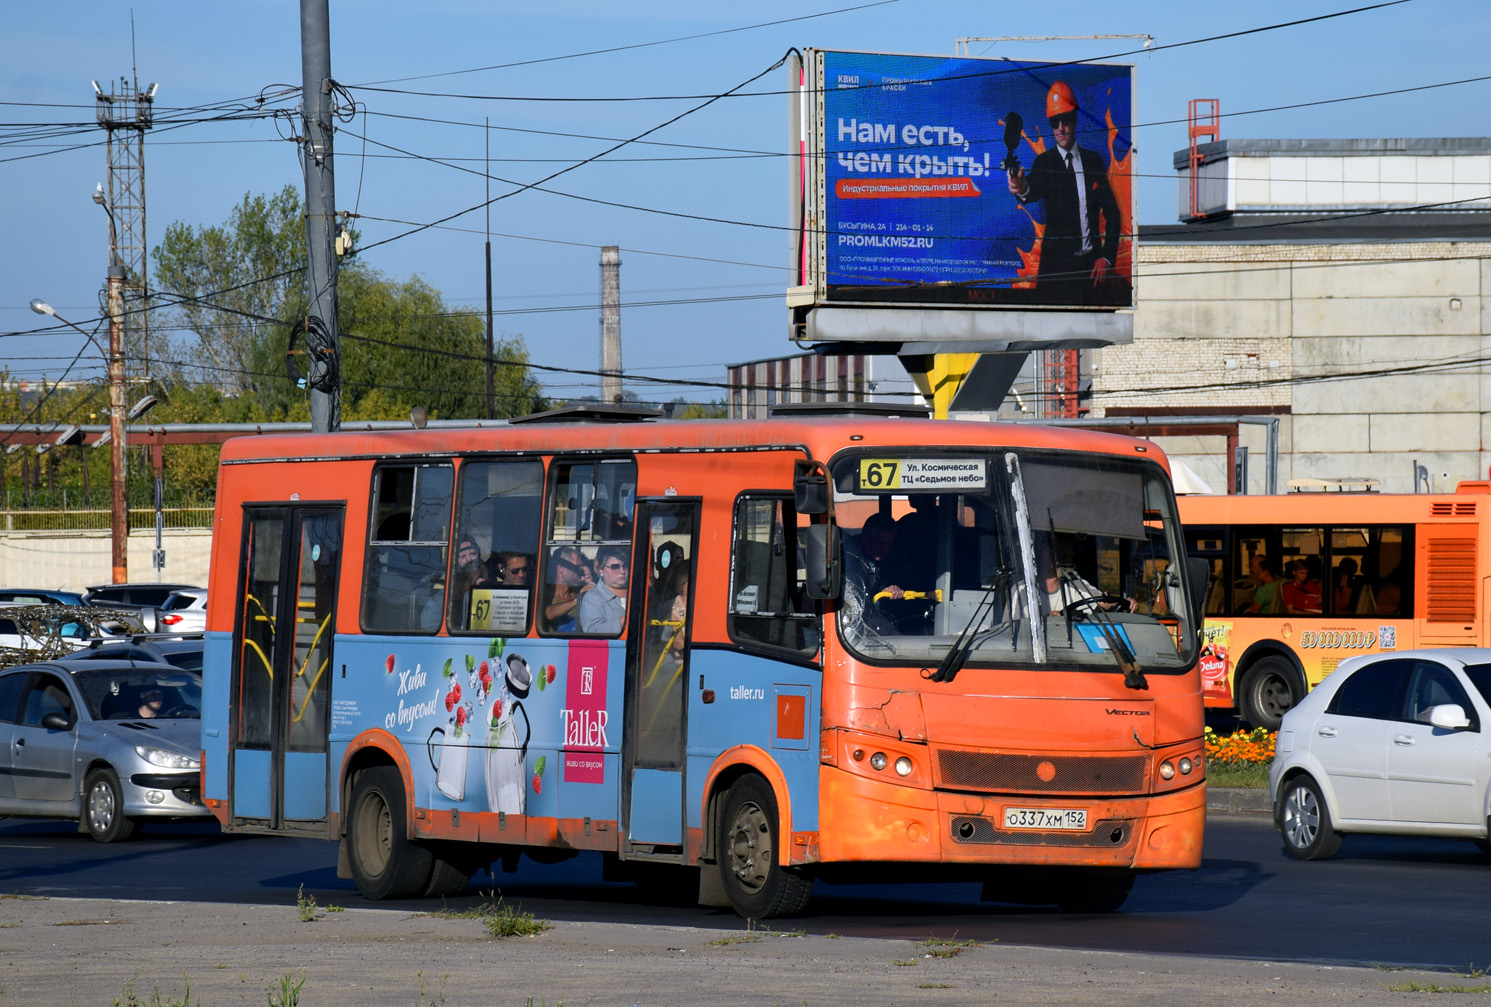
918,203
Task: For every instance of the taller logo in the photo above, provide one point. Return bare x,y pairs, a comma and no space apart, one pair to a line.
584,714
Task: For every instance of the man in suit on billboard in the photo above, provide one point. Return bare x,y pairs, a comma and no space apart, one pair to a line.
1080,246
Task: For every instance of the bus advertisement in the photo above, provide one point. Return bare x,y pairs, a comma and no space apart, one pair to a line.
1302,581
730,656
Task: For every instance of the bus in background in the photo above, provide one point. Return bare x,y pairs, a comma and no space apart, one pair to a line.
728,655
1302,581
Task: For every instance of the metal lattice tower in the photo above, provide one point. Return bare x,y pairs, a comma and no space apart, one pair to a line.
125,115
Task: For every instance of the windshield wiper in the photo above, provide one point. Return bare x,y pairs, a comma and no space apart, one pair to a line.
952,662
1118,646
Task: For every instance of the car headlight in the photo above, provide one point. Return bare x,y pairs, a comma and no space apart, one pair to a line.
166,760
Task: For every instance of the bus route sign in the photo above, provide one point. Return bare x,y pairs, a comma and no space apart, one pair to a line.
921,475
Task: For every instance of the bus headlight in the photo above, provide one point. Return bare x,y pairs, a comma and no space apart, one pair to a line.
903,766
1167,770
878,760
1185,767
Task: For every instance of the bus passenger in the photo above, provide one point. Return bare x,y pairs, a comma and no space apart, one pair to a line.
865,558
603,611
1301,594
512,569
1266,595
572,578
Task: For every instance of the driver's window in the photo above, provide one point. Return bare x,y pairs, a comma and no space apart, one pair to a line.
47,695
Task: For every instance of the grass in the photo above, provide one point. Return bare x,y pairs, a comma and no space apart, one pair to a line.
157,999
1245,775
935,986
501,920
288,994
305,906
938,948
1418,987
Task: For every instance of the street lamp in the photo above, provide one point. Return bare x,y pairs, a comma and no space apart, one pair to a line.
118,523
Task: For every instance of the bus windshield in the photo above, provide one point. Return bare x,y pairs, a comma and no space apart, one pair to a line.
1026,557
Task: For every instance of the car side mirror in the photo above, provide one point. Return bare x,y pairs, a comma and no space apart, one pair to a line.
810,489
61,722
1450,716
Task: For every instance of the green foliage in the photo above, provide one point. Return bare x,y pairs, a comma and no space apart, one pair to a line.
129,999
305,906
288,993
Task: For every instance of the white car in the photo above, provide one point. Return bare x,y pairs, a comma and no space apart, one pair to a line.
185,611
1390,743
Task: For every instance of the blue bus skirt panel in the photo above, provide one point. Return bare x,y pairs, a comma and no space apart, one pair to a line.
217,674
769,704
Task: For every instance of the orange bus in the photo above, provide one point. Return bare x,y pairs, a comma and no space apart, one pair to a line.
1302,581
729,655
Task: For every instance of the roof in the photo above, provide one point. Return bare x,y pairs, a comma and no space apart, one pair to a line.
1348,227
1415,146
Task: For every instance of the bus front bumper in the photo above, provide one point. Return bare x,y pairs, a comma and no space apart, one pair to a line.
893,823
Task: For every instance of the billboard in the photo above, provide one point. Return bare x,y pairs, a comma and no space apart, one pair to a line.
953,181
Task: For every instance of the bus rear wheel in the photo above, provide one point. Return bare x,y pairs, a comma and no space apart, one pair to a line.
385,864
750,836
1269,690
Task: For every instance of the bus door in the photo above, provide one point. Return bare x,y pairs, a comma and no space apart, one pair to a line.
660,611
283,634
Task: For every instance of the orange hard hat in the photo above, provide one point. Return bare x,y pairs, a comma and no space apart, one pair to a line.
1060,100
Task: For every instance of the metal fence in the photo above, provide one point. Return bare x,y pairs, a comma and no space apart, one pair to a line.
140,519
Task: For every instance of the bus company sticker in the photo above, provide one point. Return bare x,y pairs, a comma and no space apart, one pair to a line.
584,715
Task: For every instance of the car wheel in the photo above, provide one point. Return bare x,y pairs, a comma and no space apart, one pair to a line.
103,808
385,864
1305,822
756,884
1269,690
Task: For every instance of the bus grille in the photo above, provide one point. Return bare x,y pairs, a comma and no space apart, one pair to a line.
1041,774
972,829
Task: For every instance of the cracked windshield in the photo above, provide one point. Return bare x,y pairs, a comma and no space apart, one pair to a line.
946,552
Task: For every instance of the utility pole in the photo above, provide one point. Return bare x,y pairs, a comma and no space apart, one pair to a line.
610,324
321,339
118,510
491,364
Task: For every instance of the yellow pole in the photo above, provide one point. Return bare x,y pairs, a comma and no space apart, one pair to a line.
938,376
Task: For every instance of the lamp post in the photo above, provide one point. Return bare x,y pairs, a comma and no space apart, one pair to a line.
118,522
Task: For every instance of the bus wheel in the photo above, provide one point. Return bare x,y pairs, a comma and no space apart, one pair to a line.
385,864
1305,822
758,887
451,870
1269,690
1095,891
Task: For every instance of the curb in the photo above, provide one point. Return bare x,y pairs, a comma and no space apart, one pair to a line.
1237,801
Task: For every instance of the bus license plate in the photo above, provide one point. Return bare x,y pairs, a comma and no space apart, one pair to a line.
1073,819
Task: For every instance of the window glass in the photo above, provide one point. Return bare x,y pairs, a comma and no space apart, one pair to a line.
1433,685
1302,591
10,696
1479,675
1373,691
47,695
1209,543
404,578
589,548
767,573
497,539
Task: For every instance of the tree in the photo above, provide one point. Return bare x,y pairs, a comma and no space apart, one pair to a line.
401,346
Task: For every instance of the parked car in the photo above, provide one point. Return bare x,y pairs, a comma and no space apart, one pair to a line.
111,744
44,632
1389,743
39,596
184,611
142,595
182,652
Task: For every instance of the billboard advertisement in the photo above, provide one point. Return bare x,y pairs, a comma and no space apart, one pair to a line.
971,182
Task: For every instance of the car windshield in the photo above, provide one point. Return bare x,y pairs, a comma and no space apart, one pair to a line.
140,692
962,545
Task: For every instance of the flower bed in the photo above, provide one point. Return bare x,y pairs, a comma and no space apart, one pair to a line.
1239,759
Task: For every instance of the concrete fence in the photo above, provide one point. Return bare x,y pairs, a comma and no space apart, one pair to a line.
74,559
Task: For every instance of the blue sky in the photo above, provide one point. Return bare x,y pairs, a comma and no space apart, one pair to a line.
699,294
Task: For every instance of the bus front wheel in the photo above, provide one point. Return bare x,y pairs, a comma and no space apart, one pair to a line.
1269,690
750,836
385,864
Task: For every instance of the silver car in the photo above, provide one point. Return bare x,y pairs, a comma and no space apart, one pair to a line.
110,743
1392,743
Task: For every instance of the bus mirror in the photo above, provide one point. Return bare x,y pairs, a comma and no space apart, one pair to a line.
810,487
822,556
1198,573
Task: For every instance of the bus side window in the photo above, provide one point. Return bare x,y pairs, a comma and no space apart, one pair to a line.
767,606
497,536
404,573
589,511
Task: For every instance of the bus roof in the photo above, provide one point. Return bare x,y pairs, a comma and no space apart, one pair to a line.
1335,507
821,437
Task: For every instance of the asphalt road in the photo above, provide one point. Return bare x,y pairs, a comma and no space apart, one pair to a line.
1383,901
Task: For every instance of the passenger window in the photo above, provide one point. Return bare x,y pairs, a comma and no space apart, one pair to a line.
1434,685
589,546
404,576
10,696
1375,691
496,556
47,695
767,605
